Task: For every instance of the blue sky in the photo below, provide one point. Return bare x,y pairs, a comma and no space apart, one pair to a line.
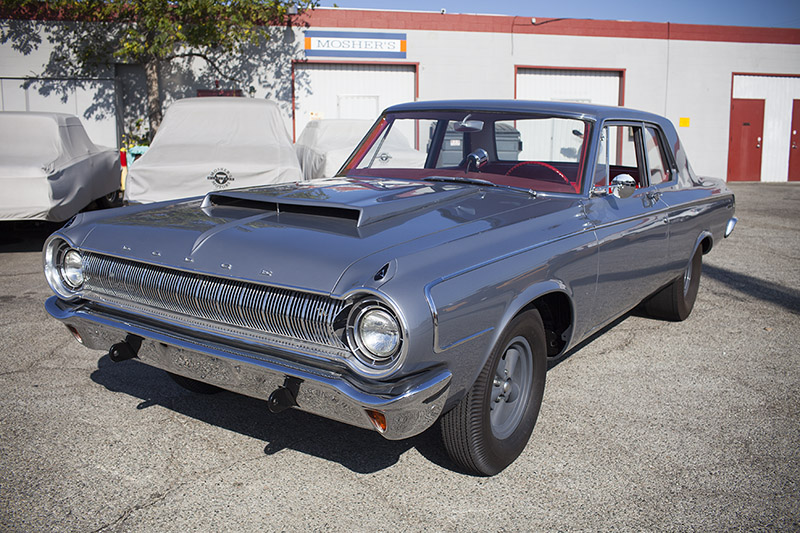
769,13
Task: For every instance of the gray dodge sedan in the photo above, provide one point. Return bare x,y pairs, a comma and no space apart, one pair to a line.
406,290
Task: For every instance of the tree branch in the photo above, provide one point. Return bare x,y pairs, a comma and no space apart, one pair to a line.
206,59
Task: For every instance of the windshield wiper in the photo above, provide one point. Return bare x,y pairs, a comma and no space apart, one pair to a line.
476,181
458,179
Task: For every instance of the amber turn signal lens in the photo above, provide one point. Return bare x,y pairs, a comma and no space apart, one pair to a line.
75,334
378,420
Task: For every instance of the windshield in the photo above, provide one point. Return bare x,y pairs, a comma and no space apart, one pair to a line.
543,153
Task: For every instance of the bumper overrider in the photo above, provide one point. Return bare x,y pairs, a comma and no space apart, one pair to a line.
397,410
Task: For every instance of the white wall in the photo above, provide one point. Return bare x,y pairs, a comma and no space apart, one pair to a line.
91,99
586,86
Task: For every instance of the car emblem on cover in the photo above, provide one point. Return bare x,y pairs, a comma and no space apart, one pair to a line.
220,177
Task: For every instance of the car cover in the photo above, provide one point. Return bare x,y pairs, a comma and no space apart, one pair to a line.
49,168
211,144
324,145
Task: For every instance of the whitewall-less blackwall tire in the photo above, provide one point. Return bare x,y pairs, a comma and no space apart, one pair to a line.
676,300
491,425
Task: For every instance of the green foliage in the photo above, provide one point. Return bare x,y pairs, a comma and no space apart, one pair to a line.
137,31
136,135
91,36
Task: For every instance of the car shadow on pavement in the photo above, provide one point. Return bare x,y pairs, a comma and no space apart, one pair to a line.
25,236
358,450
552,362
786,297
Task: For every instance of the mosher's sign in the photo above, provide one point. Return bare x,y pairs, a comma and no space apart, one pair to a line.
355,44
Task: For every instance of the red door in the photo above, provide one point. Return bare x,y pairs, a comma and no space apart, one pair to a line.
744,143
794,144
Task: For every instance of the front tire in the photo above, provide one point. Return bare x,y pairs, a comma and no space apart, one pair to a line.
491,425
676,301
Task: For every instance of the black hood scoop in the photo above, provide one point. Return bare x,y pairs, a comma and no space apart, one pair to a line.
255,202
358,201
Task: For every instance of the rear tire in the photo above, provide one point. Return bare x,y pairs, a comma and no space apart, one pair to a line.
193,385
491,425
675,301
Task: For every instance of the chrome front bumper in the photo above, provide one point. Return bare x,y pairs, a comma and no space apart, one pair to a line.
409,407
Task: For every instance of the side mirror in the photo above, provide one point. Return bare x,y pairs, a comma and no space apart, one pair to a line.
623,186
477,160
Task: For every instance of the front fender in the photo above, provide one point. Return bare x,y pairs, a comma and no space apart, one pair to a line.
466,328
471,307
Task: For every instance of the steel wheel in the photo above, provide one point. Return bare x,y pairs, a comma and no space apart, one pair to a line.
491,425
511,388
112,199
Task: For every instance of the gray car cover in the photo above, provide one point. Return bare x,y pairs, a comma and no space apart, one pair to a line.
324,145
211,144
49,168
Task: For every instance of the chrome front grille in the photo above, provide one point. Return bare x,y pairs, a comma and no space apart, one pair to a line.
248,309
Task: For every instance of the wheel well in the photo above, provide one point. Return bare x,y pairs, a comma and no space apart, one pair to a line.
556,313
707,243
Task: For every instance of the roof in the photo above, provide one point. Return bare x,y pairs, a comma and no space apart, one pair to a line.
589,111
230,102
61,119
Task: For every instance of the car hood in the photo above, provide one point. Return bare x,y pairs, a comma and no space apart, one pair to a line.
302,235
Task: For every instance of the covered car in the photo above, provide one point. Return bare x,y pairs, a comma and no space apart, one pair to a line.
212,144
324,145
50,169
399,292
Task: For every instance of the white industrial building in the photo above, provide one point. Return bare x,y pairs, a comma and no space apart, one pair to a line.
733,91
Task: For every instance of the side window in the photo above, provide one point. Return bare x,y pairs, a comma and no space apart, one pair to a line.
618,154
658,165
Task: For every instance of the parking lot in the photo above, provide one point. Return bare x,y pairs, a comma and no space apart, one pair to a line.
649,426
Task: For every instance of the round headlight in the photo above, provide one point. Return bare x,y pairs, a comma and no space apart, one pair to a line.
72,269
63,268
379,333
375,336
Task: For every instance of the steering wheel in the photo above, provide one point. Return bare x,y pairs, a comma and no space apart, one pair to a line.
548,167
545,165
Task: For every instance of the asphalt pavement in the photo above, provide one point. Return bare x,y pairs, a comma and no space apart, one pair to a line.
691,426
